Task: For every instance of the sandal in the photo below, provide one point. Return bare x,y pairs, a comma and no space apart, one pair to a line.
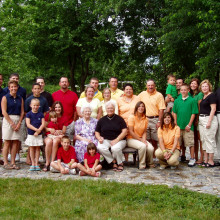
120,168
7,167
115,167
204,164
46,168
37,168
210,165
13,166
32,168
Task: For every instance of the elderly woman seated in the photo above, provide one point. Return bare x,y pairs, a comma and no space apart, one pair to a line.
168,134
84,132
110,132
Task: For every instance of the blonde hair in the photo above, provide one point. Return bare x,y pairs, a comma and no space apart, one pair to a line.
52,114
206,81
35,100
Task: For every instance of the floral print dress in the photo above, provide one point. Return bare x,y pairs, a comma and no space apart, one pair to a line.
86,131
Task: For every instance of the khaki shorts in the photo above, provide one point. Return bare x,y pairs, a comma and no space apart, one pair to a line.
187,137
64,165
152,129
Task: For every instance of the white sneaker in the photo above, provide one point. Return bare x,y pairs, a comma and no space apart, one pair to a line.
17,158
192,162
162,167
173,167
72,171
9,157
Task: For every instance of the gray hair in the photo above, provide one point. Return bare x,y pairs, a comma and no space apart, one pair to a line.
86,106
109,103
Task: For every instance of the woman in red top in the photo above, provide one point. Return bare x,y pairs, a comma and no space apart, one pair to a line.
51,145
91,162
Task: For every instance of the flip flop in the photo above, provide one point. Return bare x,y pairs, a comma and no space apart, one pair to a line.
37,168
46,168
115,167
7,167
15,167
32,168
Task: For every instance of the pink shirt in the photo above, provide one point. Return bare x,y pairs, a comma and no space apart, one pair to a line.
68,100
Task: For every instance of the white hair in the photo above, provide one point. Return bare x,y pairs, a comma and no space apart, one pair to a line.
86,106
109,103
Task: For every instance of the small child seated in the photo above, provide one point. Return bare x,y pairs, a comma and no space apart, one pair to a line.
66,158
171,92
91,162
53,126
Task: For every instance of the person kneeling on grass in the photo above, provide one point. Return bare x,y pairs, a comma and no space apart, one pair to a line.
91,162
66,158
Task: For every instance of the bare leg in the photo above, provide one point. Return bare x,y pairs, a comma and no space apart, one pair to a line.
98,168
37,155
154,143
56,143
192,152
196,143
32,154
5,151
126,157
48,149
28,159
13,151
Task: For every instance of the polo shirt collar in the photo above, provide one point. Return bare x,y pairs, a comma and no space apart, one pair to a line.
152,93
64,92
185,98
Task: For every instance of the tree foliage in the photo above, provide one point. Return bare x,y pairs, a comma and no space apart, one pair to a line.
134,40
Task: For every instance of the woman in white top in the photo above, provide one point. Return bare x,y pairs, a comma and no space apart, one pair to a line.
93,102
107,97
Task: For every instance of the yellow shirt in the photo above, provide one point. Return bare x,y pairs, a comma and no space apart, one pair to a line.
153,102
95,104
126,108
169,136
98,95
116,94
139,125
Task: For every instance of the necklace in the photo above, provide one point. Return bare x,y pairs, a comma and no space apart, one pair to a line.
110,118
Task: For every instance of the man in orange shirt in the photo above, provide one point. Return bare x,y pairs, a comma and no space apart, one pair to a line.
154,103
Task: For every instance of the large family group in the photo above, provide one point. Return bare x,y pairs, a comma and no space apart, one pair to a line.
104,123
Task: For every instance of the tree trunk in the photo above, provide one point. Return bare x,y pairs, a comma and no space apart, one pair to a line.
72,64
84,73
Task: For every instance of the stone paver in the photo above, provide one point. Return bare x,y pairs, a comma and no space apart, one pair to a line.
205,180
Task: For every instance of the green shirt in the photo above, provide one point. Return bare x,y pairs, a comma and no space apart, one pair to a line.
171,90
184,109
197,97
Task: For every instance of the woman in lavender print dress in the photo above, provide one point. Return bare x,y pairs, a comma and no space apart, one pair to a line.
85,132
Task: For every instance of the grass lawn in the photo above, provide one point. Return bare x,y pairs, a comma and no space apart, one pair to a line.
87,199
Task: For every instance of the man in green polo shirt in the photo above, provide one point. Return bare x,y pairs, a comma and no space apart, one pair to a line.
184,110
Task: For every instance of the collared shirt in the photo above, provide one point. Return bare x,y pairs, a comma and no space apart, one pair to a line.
116,94
153,102
21,91
171,90
169,135
68,100
97,95
139,125
126,108
184,110
13,104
